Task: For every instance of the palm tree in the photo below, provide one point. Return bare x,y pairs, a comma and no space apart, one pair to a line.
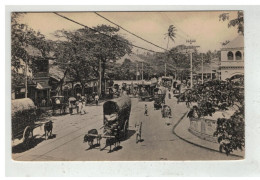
171,34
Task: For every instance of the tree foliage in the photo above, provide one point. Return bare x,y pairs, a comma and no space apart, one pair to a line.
238,21
221,96
171,34
231,132
22,39
79,52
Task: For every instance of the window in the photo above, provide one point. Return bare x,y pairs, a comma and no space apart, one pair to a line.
238,55
230,55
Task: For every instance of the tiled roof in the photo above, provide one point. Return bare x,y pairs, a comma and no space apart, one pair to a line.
131,56
238,42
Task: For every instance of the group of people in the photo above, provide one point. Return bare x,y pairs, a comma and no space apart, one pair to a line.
81,104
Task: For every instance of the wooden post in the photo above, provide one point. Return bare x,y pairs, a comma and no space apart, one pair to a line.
100,79
165,69
26,88
137,71
202,70
191,75
142,71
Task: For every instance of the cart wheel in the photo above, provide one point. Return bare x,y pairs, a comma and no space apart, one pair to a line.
27,135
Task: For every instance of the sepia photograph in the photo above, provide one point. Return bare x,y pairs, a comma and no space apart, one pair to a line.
127,86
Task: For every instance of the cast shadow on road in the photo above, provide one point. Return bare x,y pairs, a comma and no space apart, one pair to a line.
129,134
33,143
116,148
22,147
52,136
94,146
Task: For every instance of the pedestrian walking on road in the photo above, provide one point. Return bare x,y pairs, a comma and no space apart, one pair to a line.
145,110
83,108
80,106
138,127
96,99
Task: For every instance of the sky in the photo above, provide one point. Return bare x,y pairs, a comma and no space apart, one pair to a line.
202,26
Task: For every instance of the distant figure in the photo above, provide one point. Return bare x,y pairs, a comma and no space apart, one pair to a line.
78,96
138,127
96,99
43,102
70,107
145,110
77,106
50,102
83,108
80,106
57,101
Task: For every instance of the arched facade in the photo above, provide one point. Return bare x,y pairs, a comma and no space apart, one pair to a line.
232,58
230,55
238,55
77,89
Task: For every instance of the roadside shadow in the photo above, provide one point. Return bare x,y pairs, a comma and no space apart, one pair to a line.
60,114
95,146
141,140
129,135
117,148
52,136
22,147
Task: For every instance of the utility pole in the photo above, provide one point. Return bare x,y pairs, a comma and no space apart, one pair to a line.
165,69
142,71
202,75
191,73
137,71
210,71
100,83
26,88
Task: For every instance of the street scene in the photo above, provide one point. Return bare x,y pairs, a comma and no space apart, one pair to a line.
127,86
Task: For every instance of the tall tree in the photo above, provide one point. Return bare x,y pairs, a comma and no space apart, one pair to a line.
22,39
171,34
85,49
72,53
109,47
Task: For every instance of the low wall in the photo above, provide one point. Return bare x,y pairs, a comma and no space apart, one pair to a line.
203,128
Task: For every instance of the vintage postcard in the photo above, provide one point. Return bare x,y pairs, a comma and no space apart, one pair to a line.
127,86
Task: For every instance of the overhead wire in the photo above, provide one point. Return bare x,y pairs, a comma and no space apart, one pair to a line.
184,35
69,19
129,31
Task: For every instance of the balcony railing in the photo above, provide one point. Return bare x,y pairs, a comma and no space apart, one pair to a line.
232,63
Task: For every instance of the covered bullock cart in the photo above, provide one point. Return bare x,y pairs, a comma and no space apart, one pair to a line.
159,98
58,103
116,116
115,123
23,121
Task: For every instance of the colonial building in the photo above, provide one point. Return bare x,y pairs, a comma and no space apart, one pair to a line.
209,70
232,58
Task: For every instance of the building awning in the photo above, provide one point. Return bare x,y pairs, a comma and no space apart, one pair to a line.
42,86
